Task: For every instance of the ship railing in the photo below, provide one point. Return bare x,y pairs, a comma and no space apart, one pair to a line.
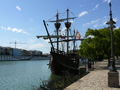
60,52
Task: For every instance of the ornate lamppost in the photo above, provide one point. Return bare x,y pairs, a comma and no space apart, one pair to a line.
113,75
111,26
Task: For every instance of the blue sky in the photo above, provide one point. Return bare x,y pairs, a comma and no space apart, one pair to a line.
21,20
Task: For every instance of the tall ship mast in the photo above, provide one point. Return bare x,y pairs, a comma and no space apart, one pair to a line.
65,59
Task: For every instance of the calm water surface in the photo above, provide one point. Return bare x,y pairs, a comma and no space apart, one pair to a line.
23,75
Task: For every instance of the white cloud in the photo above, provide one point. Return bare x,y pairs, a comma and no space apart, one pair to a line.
30,19
71,21
96,7
115,19
100,22
43,44
81,5
63,31
117,27
18,8
31,40
92,22
104,20
96,25
104,23
86,24
83,13
34,46
107,1
15,30
107,19
4,28
47,40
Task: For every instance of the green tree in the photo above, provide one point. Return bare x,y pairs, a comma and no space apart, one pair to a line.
97,44
117,42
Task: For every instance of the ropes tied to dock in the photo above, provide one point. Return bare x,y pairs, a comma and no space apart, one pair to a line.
68,66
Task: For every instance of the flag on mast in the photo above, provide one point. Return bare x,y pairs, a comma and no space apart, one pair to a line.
78,35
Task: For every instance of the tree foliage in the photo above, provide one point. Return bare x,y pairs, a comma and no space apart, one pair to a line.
117,41
97,44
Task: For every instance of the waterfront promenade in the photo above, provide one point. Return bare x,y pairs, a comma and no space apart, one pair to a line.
97,79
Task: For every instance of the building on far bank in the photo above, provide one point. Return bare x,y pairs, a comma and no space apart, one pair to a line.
19,52
35,53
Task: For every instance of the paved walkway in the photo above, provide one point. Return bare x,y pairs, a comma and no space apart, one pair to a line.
95,80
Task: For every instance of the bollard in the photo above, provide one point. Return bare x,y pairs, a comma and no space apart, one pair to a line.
113,79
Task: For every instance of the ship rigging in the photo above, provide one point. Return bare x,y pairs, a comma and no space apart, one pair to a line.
63,60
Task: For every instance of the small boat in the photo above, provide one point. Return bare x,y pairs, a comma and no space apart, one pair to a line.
63,58
26,57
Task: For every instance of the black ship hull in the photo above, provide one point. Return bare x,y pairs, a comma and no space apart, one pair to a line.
61,62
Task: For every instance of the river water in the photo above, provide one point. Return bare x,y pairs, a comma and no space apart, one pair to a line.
23,75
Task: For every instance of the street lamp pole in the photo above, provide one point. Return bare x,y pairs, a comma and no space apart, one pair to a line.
113,75
111,26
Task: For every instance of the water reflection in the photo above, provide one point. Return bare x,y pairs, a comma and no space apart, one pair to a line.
22,75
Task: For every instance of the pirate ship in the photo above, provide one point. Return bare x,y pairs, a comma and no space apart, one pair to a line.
64,59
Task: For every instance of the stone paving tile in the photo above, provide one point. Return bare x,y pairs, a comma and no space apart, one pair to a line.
95,80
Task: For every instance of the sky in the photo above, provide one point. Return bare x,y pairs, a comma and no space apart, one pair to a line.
22,20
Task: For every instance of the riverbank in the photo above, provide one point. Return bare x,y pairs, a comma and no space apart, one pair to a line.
59,82
95,80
